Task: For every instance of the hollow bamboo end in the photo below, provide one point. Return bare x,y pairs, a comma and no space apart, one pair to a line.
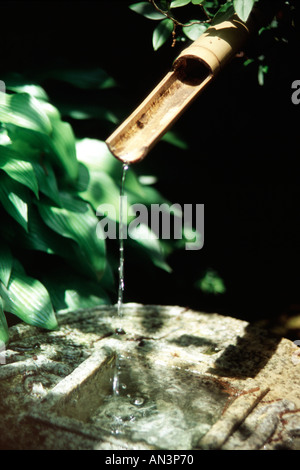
124,156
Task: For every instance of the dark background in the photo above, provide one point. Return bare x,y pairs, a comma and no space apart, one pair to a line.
242,162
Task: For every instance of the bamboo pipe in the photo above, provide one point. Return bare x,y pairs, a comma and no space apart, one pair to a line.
192,71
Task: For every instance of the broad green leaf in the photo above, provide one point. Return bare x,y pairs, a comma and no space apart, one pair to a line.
44,131
101,189
95,155
152,247
21,148
99,162
71,292
6,263
21,171
25,111
243,8
4,335
179,3
4,139
30,88
46,178
76,220
147,10
14,199
40,237
63,145
195,30
30,301
51,111
162,33
196,2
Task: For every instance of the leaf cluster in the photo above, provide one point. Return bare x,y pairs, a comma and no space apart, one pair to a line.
199,14
165,11
51,183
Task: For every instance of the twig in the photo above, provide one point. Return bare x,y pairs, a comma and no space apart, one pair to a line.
175,21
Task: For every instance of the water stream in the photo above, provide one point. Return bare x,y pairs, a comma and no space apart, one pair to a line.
116,377
121,241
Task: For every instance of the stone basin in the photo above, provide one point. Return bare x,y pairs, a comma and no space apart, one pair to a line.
154,406
186,380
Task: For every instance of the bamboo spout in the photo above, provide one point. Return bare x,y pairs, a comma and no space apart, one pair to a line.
192,71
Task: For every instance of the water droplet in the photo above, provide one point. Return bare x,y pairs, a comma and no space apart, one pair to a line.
138,401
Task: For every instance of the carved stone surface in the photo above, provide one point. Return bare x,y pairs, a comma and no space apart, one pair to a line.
53,385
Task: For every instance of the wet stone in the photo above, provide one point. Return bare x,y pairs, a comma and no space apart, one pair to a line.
186,380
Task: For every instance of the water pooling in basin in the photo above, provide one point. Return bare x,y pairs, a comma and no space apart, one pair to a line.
164,407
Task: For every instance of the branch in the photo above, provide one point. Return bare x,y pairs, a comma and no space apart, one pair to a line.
175,21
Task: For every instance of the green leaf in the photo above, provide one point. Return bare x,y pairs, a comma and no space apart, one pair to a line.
30,130
195,30
164,4
40,237
243,8
21,171
6,263
71,292
262,71
47,180
151,246
100,173
14,199
173,139
4,335
29,300
95,155
161,33
147,10
63,146
30,88
179,3
211,283
76,220
224,13
24,111
101,189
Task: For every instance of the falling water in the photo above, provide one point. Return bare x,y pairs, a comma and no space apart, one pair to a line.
121,241
116,377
